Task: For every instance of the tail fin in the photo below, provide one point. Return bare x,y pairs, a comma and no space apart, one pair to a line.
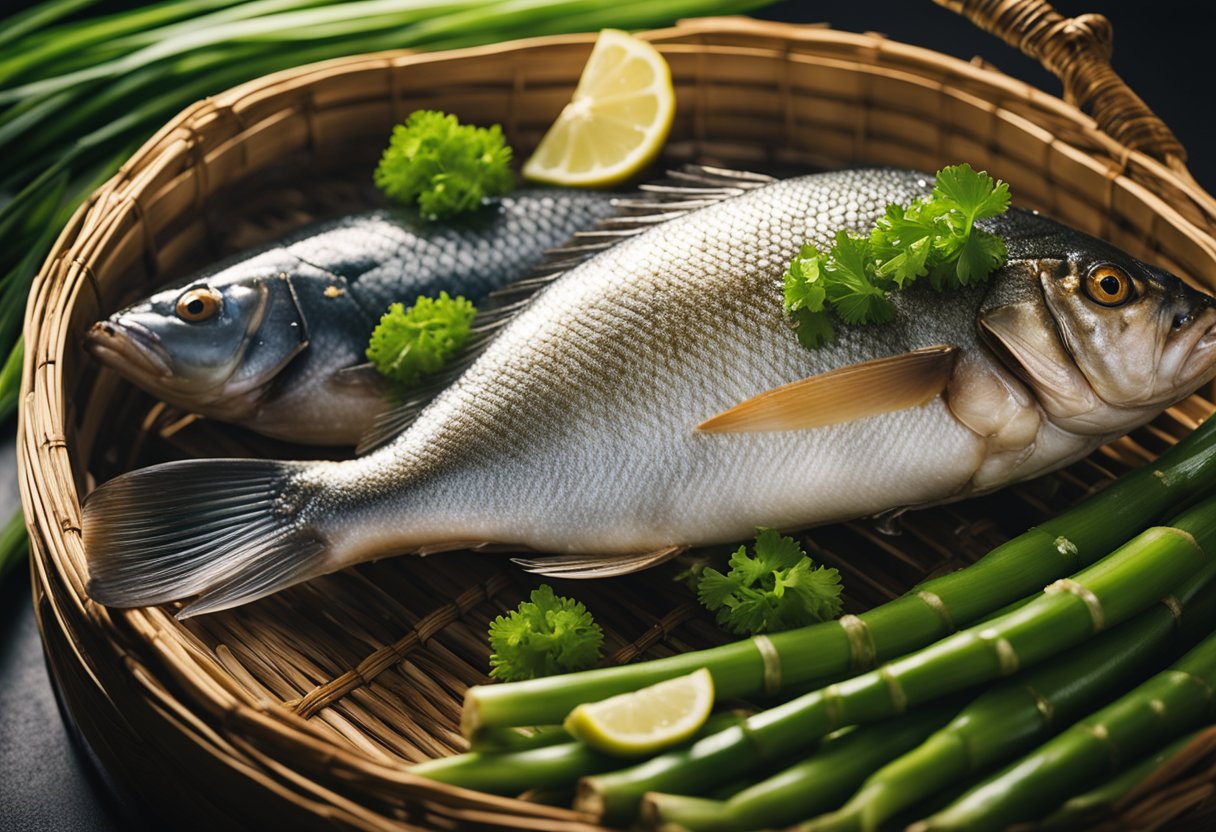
218,529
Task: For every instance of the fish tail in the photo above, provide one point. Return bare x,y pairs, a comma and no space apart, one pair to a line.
226,530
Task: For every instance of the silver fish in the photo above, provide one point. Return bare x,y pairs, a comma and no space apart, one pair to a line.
655,398
274,340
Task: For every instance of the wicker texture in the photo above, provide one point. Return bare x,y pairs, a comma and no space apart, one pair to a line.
1078,51
305,709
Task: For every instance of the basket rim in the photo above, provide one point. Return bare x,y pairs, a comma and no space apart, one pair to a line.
48,482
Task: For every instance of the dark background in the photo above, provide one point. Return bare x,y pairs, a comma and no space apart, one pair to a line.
1163,49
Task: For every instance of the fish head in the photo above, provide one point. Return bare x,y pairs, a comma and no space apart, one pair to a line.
213,344
1141,336
1104,340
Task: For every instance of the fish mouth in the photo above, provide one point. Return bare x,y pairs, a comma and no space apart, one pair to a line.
1200,360
130,349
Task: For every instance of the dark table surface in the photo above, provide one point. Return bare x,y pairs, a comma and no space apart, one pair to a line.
47,778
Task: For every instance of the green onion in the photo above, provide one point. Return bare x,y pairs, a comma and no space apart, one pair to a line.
1012,718
13,543
1087,809
818,783
539,766
1170,704
1067,613
75,95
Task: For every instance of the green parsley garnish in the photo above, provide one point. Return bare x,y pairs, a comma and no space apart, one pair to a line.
445,167
934,236
777,588
411,343
547,635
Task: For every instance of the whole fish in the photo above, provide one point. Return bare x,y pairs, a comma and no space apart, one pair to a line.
655,397
274,340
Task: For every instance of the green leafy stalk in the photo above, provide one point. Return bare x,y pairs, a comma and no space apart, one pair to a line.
446,168
1014,717
775,589
36,17
816,784
14,544
93,88
935,608
409,344
1168,705
10,378
496,740
1067,613
540,767
547,635
1087,809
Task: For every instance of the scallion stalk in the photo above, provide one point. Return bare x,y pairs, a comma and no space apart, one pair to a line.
1170,704
13,543
92,88
1014,717
539,767
1068,613
821,782
1088,809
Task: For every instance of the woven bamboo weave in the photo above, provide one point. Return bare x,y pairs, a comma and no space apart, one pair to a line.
305,710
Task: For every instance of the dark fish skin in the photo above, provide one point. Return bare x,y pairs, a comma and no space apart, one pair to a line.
299,375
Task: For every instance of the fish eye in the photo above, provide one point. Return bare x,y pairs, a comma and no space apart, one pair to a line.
1109,285
199,304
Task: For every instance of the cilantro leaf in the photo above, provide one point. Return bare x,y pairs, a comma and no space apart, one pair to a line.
445,167
714,588
980,254
974,195
804,287
817,592
409,344
814,328
902,241
934,236
547,635
854,295
774,589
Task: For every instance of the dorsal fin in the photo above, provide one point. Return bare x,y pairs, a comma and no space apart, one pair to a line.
684,190
856,391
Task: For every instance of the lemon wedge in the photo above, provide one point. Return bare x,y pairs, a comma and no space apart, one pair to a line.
617,121
648,719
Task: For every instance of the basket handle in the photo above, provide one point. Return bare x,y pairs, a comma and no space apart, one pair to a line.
1077,51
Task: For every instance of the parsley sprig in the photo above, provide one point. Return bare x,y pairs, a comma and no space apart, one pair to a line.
777,588
933,236
411,343
548,634
447,168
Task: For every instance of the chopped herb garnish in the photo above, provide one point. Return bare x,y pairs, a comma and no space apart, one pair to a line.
776,588
411,343
547,635
445,167
933,235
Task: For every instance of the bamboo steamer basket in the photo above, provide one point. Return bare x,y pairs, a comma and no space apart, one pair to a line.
305,709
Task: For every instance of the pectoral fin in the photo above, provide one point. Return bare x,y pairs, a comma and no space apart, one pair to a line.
882,385
579,566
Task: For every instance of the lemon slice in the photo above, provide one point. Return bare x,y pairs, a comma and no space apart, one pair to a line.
617,121
646,720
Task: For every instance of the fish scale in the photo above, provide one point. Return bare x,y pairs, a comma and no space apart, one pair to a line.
610,369
576,430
